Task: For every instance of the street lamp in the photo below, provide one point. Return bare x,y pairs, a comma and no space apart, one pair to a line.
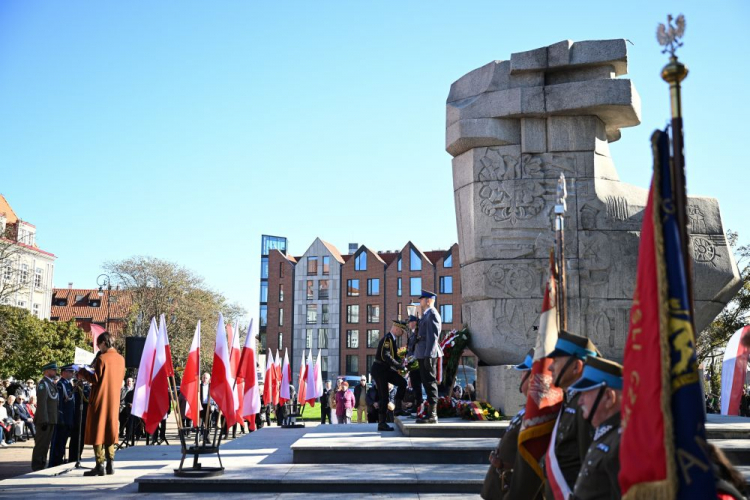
103,280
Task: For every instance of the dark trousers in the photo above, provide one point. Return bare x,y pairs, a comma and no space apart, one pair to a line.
41,446
383,376
59,440
428,373
325,413
416,385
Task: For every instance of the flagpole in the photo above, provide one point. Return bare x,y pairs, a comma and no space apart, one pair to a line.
560,209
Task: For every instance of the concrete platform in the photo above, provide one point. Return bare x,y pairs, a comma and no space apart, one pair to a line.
452,428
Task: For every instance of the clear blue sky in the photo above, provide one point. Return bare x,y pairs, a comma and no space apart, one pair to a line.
184,130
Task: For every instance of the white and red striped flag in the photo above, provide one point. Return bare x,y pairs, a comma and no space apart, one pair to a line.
158,398
302,381
311,396
167,349
191,378
269,380
248,374
143,381
733,372
286,379
318,376
238,390
222,378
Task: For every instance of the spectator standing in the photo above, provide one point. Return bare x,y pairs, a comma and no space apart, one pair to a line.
332,401
344,404
46,416
325,407
372,404
125,407
360,398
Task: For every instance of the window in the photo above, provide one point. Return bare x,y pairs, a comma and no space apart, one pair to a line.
8,272
268,243
263,315
373,337
323,289
281,293
21,303
310,289
281,269
415,261
446,284
95,303
352,339
37,310
324,366
352,288
446,313
61,302
352,365
264,291
370,361
23,277
373,286
281,337
38,278
352,314
281,317
415,286
325,315
398,264
360,262
312,266
373,313
264,268
448,262
312,314
399,292
308,338
326,265
323,338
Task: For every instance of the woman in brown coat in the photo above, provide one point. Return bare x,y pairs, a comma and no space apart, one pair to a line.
104,404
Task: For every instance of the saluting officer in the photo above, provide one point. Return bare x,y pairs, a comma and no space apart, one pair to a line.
414,378
600,388
385,370
45,417
572,434
66,409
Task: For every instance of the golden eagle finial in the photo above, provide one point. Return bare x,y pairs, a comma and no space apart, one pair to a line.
669,35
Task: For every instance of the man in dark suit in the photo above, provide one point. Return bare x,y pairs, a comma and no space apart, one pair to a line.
325,409
427,352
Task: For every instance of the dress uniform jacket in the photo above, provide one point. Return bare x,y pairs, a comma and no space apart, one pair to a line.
104,404
574,435
428,335
66,403
387,353
47,399
598,477
494,485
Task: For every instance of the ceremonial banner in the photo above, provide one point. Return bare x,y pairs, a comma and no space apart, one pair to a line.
269,380
249,377
312,397
238,391
191,378
663,412
286,379
733,373
158,397
143,381
222,378
318,376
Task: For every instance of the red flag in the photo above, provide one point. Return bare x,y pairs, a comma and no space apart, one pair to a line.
96,330
286,379
302,383
167,349
247,374
270,380
190,378
158,399
234,363
310,382
222,378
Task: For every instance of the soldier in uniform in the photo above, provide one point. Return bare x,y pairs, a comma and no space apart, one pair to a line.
600,390
572,434
66,408
81,393
414,378
499,475
428,352
45,417
385,370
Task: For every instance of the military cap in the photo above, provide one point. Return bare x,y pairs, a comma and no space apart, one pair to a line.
426,294
573,345
50,366
525,365
598,372
400,324
69,368
413,318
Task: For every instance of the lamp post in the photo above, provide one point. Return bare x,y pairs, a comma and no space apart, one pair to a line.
103,280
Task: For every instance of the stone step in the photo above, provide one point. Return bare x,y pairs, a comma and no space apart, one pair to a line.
452,428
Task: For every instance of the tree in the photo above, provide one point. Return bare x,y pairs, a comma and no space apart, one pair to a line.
11,279
27,343
711,342
161,287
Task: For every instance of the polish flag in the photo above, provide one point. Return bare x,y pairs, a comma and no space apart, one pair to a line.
167,349
248,375
286,379
311,396
234,363
277,380
158,398
191,378
302,383
143,381
96,330
269,380
222,378
318,376
733,371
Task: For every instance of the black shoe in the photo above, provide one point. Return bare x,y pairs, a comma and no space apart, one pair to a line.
385,428
110,469
96,471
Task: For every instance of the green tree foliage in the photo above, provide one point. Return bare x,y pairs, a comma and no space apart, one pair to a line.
27,343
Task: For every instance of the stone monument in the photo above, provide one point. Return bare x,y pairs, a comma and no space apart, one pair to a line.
513,127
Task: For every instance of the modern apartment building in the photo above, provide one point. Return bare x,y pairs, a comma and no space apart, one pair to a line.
267,245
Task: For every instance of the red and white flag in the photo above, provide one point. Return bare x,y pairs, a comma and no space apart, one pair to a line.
302,381
318,376
143,381
269,380
158,397
311,396
167,349
222,378
96,330
733,372
277,379
233,334
249,377
286,379
191,378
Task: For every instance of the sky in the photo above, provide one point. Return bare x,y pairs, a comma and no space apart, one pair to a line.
185,130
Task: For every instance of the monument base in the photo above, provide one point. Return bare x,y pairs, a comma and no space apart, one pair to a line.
498,385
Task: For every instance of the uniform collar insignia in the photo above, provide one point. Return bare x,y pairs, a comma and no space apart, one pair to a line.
601,430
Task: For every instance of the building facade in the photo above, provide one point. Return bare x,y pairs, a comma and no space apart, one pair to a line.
343,304
107,308
26,271
268,244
